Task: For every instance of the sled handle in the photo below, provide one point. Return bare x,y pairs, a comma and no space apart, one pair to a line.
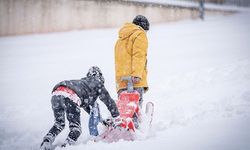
130,86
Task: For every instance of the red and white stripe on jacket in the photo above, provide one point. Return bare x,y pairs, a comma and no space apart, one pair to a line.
67,92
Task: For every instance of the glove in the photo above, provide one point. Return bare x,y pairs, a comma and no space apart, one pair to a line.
107,122
135,79
117,121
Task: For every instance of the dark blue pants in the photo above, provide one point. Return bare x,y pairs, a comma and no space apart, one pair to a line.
94,119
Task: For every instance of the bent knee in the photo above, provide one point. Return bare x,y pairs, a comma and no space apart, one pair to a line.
75,127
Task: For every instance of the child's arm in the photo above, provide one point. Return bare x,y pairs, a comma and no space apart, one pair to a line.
108,101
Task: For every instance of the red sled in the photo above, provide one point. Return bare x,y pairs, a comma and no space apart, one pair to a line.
128,105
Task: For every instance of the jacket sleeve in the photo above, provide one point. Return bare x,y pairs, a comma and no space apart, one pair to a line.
139,54
87,109
108,101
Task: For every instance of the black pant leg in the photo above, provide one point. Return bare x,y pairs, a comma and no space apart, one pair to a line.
58,108
73,115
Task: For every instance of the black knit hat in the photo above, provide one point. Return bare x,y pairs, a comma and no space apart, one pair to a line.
141,21
95,72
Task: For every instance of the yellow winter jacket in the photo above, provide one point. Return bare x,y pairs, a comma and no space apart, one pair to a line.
131,55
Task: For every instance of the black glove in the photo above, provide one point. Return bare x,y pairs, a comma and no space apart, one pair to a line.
117,121
107,122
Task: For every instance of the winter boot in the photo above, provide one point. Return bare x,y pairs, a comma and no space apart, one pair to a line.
47,142
46,145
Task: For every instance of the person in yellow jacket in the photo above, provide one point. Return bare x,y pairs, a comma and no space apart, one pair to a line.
131,55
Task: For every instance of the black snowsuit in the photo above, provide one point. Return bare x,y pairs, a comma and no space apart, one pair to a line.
88,89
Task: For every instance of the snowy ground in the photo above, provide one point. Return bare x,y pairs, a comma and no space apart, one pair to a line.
199,76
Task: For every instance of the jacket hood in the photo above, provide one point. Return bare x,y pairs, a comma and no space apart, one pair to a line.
128,29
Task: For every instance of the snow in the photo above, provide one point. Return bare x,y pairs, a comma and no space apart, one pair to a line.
199,77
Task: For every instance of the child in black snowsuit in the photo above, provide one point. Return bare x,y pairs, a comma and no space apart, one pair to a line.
69,96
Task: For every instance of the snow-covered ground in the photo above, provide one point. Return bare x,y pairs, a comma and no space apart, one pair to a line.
199,77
